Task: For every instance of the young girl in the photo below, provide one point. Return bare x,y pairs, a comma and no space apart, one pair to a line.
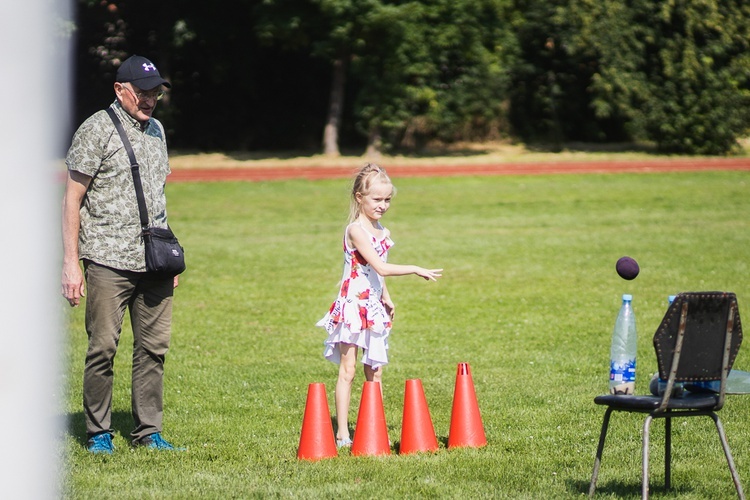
361,315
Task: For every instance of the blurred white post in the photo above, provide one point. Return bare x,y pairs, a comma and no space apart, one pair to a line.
34,89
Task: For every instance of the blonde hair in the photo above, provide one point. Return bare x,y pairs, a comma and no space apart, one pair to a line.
365,178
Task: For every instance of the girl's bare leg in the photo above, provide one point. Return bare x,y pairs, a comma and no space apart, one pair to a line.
344,388
374,375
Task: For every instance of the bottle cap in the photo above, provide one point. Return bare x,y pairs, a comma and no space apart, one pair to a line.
627,297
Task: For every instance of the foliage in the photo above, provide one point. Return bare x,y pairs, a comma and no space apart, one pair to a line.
228,91
439,71
528,298
550,101
257,74
429,69
678,70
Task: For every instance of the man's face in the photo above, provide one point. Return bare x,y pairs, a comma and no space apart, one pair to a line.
139,104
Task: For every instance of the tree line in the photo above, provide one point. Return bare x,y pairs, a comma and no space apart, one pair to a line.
394,75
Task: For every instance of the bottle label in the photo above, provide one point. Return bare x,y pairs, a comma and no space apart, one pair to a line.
622,372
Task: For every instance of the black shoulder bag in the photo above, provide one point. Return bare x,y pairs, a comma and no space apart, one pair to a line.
164,254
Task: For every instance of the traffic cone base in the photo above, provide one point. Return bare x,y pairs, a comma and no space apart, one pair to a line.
417,431
466,423
316,439
371,433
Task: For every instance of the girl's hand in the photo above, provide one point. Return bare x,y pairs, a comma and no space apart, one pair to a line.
429,274
390,307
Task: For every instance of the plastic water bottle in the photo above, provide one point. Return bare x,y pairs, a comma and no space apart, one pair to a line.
624,347
659,385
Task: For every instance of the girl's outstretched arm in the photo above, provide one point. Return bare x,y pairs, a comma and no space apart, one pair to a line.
361,241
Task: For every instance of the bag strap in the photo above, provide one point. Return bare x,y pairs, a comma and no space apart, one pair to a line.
134,169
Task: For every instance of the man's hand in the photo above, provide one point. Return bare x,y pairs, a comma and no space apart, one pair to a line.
72,277
73,287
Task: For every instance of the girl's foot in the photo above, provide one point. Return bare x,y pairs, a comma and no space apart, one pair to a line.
343,443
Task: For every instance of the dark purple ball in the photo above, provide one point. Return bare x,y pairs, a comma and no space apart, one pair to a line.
627,268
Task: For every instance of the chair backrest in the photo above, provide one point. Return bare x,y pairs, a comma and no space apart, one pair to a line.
699,337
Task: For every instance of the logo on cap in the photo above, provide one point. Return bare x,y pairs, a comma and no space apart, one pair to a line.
149,67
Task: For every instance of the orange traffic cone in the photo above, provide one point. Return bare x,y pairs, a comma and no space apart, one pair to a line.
316,440
371,434
417,431
466,423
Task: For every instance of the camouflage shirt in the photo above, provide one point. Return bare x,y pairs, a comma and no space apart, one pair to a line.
110,223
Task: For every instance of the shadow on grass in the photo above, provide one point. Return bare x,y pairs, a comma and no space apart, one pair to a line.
122,423
334,424
443,152
621,489
592,147
459,150
250,155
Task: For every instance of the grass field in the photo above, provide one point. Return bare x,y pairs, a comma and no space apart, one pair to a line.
528,299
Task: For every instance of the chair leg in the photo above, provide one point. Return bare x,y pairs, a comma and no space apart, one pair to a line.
728,454
599,450
667,453
644,483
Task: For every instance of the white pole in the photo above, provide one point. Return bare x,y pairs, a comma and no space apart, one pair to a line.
34,89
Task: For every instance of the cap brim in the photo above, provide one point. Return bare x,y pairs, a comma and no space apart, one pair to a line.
150,83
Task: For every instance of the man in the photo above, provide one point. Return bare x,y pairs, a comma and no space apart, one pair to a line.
101,227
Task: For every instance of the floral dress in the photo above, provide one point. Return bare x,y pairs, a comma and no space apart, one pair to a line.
358,315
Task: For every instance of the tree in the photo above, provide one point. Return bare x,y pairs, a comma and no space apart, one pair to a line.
440,70
550,98
676,70
418,68
330,30
282,74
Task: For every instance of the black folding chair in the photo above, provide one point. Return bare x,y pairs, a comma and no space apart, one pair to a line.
697,341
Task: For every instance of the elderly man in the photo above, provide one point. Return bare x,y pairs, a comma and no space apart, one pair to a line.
101,228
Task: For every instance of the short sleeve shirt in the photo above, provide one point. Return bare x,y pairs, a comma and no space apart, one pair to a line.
110,230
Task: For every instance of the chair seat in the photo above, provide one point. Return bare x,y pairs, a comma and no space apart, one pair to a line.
690,401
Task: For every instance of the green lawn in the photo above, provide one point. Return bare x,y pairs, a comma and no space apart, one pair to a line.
528,298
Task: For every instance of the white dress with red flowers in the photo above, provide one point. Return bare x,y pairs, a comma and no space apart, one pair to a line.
358,315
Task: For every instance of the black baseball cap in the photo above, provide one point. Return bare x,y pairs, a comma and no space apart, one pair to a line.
141,72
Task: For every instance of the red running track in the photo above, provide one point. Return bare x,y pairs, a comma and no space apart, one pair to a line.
561,167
